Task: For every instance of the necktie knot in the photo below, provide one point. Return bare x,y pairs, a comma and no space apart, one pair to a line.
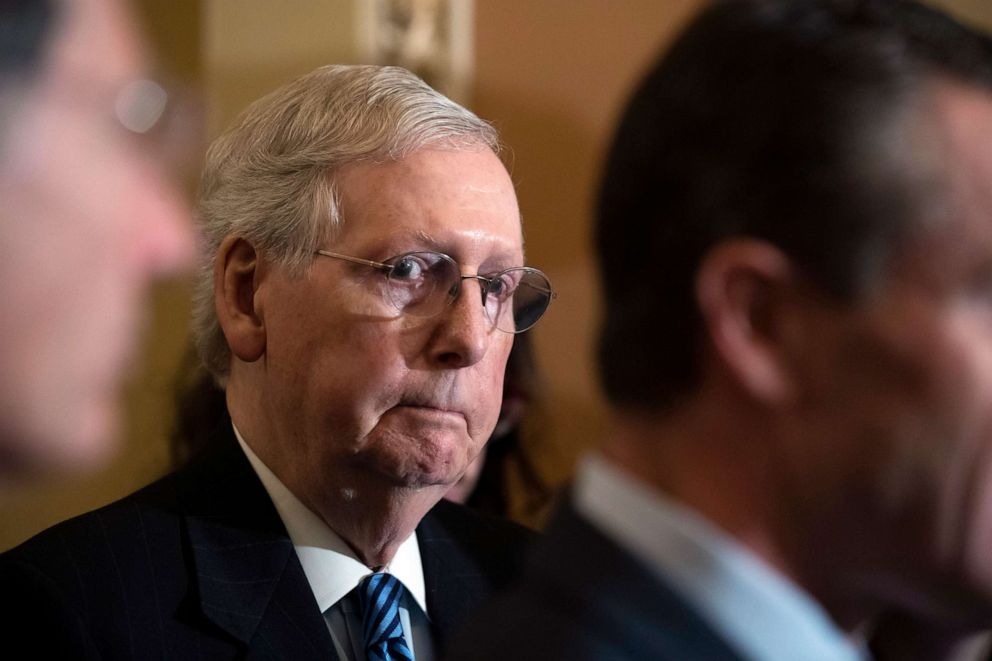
380,596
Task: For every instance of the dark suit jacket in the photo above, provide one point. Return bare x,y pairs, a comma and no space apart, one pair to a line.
199,566
582,597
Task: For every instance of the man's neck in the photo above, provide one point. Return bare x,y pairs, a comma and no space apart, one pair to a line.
686,462
374,520
372,516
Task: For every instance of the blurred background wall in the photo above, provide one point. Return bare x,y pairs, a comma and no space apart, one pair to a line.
551,74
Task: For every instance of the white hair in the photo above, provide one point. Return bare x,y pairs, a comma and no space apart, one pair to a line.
270,177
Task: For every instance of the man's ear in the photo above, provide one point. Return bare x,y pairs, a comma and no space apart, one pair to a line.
745,289
236,276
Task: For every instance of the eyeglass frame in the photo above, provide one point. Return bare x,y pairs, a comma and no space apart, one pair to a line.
486,281
172,124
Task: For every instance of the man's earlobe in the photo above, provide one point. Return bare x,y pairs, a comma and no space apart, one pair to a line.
236,275
743,290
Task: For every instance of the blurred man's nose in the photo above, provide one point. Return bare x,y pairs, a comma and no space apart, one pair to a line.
166,233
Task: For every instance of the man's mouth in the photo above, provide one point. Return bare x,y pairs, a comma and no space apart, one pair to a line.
428,406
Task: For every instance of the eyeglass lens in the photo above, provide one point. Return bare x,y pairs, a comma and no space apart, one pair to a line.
424,283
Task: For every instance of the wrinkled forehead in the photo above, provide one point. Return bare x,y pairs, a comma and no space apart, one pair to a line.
435,197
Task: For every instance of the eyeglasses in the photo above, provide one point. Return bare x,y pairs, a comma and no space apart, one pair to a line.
423,284
166,120
162,121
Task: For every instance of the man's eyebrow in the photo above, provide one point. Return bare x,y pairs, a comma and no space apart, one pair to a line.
505,260
428,239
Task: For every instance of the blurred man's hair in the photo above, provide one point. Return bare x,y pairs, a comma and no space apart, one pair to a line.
24,25
798,122
24,28
270,177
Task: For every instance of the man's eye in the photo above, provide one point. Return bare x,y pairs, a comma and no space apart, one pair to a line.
502,286
408,268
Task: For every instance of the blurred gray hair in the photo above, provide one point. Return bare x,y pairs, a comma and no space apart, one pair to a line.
270,177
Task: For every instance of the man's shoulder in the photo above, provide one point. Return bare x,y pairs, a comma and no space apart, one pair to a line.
118,551
96,572
117,525
140,532
150,575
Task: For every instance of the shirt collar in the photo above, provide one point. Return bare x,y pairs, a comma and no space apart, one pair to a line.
331,567
756,609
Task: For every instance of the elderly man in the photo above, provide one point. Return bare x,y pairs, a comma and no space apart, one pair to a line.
796,248
363,285
88,219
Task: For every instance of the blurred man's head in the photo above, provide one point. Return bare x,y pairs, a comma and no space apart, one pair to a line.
347,216
794,216
88,219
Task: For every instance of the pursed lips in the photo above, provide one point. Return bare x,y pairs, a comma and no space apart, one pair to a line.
429,405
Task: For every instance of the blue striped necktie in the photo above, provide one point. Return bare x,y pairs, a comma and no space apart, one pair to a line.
380,597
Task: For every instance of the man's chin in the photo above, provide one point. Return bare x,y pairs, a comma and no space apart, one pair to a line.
411,461
417,475
438,480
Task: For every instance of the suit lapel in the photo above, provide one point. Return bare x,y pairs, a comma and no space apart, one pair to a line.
247,577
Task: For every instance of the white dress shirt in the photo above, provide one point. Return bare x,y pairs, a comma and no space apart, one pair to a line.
333,571
760,613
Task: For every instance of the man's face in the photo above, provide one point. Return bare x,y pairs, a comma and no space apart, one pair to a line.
87,219
896,411
354,391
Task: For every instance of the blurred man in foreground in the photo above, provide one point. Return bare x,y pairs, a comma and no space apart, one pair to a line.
360,290
796,247
88,218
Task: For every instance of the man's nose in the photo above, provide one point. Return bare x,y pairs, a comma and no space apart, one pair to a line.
463,331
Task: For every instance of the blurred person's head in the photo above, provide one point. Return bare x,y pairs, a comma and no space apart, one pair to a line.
87,220
363,366
796,253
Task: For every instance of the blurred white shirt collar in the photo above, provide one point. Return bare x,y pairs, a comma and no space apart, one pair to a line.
760,613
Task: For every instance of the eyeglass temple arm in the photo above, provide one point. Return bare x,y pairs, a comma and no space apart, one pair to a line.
356,260
550,292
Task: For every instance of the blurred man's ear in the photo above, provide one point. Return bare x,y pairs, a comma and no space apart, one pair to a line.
236,276
745,289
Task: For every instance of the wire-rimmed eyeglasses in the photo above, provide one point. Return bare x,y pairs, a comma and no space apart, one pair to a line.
423,284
